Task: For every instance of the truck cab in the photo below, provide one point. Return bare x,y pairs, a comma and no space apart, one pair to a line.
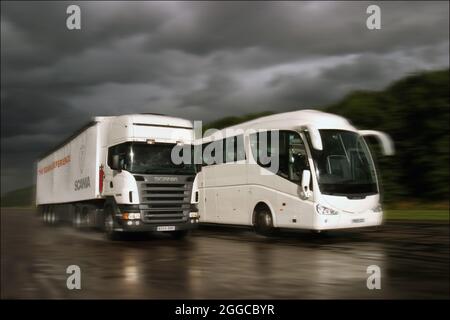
122,173
143,187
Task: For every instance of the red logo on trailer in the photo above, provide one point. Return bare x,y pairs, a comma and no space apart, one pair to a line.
101,176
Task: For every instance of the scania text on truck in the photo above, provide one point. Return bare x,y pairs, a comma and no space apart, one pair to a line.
325,176
117,173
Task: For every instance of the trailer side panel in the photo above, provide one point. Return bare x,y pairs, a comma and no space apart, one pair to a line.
70,173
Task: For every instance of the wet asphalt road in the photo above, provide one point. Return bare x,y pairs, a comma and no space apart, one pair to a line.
216,262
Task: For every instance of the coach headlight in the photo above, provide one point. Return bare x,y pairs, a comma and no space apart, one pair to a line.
325,210
377,209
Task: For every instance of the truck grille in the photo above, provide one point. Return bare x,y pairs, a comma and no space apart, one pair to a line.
165,199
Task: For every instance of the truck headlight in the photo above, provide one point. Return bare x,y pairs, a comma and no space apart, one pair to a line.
131,216
325,211
193,207
193,215
377,209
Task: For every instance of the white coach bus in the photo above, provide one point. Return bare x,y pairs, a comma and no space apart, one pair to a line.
324,176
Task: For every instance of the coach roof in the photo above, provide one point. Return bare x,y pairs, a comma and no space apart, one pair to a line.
291,121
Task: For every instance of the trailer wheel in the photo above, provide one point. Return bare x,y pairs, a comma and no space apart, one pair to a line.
49,216
76,219
53,217
44,214
108,225
263,221
40,213
85,217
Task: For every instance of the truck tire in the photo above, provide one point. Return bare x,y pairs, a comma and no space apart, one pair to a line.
108,225
264,221
44,214
50,216
77,219
85,217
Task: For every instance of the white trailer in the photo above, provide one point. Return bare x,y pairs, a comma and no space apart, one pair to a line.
324,179
117,173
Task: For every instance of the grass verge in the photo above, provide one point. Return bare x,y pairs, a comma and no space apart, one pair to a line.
441,215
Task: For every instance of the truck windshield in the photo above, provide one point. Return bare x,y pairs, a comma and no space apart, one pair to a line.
344,166
143,158
155,158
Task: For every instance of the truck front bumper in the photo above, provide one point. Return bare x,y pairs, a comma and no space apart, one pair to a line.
188,222
140,226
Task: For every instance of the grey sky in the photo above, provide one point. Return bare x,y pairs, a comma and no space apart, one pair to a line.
196,60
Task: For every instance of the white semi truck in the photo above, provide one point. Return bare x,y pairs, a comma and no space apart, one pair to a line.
117,173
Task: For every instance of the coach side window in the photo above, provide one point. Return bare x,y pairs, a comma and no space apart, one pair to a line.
229,147
213,153
293,158
262,148
233,149
240,148
207,157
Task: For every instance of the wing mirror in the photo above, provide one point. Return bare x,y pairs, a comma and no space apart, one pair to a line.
306,180
387,145
314,134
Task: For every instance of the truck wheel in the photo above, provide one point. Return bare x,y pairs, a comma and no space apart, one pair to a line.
85,217
264,222
40,213
179,234
52,218
109,225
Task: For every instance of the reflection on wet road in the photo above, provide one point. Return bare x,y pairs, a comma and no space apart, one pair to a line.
223,262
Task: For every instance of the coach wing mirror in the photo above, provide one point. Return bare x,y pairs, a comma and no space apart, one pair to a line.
387,145
116,163
314,135
306,180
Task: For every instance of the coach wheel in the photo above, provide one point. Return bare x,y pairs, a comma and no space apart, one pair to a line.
264,222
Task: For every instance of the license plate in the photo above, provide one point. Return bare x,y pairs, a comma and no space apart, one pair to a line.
165,228
358,220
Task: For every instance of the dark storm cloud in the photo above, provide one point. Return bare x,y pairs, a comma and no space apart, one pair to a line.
197,60
41,27
26,112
